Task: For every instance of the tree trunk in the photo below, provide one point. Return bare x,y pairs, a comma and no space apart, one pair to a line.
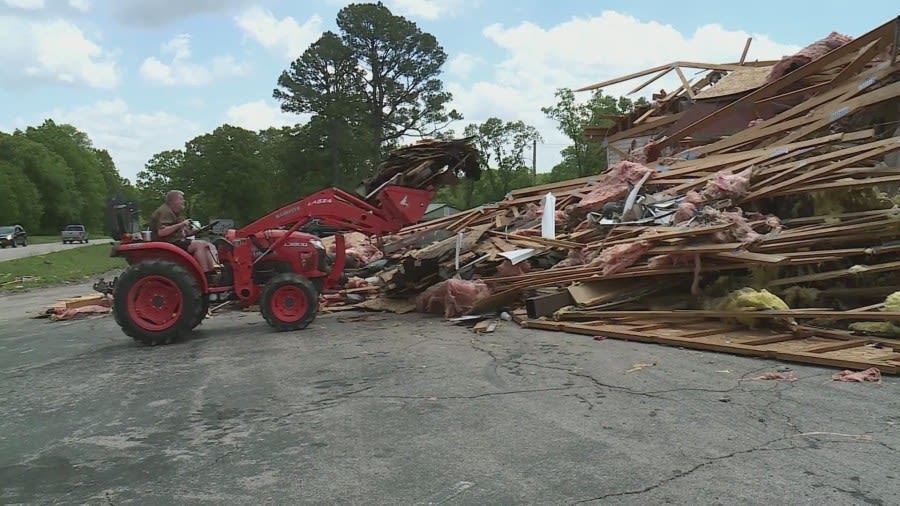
334,146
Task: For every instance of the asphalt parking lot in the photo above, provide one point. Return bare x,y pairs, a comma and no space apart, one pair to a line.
386,409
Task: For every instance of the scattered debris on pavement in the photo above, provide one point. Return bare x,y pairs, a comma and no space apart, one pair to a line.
751,211
76,307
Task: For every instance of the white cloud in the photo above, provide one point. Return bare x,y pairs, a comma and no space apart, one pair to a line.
181,71
80,5
25,4
463,64
55,52
157,13
426,9
131,137
583,51
285,36
259,115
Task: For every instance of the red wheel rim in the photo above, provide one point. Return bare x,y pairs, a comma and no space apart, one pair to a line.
289,303
155,303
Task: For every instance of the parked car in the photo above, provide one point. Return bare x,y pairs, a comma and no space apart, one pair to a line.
74,233
13,235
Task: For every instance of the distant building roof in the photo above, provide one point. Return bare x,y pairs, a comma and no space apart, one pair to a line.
436,206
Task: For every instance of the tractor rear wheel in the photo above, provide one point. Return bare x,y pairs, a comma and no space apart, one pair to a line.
156,301
289,302
201,314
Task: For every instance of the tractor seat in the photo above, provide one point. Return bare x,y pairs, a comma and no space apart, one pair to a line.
223,243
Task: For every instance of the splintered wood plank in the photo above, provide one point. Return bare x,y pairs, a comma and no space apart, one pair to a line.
824,276
805,345
83,300
678,314
685,83
778,86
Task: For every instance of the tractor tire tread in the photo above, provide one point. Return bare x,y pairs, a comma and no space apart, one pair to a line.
191,299
284,279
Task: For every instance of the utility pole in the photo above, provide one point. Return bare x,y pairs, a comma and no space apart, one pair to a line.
534,161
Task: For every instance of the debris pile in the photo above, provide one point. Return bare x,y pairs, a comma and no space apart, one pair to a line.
77,307
426,164
753,211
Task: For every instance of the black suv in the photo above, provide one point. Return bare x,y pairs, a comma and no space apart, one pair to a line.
13,235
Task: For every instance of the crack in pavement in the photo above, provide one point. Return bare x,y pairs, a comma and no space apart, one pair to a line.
655,394
708,462
592,379
476,396
860,495
585,400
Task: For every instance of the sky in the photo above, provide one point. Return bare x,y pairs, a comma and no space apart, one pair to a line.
143,76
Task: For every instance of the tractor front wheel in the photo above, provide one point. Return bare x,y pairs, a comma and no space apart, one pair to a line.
156,301
289,302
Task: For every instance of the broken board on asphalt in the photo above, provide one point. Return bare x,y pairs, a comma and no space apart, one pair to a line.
802,344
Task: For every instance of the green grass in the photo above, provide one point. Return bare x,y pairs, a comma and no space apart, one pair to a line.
70,266
47,239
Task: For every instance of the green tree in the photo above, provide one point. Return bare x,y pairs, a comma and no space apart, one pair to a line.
231,179
327,82
52,178
503,145
581,158
296,160
402,64
21,202
111,179
76,149
158,177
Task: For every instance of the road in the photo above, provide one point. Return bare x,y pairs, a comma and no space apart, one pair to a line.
411,410
40,249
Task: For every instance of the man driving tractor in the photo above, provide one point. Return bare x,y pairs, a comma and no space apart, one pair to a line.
165,226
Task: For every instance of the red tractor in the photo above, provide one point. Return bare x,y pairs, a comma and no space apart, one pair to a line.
164,294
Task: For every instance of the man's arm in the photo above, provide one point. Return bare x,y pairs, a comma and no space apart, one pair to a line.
167,230
166,224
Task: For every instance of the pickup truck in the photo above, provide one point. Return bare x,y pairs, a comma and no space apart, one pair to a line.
74,233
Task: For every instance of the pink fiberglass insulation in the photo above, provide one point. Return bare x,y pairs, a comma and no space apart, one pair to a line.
740,230
811,52
612,186
604,193
775,376
626,171
62,313
452,297
621,256
870,374
583,225
687,209
639,155
668,260
507,269
574,258
356,282
364,253
725,185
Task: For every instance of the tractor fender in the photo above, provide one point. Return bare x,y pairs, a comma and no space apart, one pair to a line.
136,252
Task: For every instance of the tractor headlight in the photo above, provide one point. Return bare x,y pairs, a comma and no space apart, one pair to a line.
9,238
